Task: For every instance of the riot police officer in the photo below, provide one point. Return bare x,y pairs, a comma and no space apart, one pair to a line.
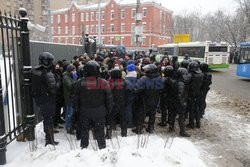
167,95
194,94
180,103
206,82
149,88
44,90
93,101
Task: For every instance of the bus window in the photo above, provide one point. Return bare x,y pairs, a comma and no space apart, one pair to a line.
217,49
197,52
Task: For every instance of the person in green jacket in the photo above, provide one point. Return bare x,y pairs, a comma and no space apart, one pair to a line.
69,78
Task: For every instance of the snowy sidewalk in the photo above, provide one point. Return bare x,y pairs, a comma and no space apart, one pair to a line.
223,140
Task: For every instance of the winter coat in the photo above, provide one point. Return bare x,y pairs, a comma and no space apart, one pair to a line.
67,88
150,87
93,102
195,85
43,82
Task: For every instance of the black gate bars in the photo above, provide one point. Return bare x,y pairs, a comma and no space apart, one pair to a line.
16,109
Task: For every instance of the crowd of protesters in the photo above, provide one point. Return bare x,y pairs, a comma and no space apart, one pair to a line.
100,92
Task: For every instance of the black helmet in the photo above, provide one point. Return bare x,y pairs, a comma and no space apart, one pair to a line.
174,59
185,64
150,69
197,61
116,74
46,59
194,67
92,69
168,71
182,74
204,67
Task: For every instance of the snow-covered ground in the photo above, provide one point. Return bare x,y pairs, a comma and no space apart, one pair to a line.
223,140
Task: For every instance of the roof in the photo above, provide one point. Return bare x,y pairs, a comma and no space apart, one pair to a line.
95,6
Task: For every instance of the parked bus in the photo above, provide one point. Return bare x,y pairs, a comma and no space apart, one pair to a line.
243,66
216,55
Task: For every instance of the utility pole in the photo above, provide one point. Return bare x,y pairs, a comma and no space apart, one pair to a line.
99,25
49,20
138,20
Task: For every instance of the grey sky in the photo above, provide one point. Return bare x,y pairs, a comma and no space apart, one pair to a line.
204,6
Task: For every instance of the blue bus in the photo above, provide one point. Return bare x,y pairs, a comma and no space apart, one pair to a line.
243,67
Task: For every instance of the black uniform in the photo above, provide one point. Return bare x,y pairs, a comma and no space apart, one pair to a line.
44,91
149,88
180,102
120,98
207,81
167,95
94,102
194,94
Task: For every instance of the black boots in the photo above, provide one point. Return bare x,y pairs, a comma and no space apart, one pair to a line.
137,130
70,131
150,129
184,134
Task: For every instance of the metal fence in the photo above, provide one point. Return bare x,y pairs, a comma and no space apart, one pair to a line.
60,51
18,114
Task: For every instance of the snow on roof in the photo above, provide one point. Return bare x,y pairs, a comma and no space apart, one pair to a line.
95,6
126,2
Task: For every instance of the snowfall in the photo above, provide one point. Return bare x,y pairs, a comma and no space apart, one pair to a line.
223,140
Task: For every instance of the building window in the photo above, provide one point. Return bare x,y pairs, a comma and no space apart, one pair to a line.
122,27
103,15
112,15
58,18
73,30
66,18
59,40
92,16
112,27
111,40
51,19
92,29
87,16
144,27
122,40
123,14
59,30
133,13
74,40
66,40
102,40
82,16
73,17
144,40
144,13
97,16
66,30
87,29
133,27
103,28
52,30
97,28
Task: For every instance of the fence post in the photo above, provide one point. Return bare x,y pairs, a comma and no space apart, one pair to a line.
27,103
3,142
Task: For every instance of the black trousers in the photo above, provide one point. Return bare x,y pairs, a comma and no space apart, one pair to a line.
194,111
180,110
98,124
47,108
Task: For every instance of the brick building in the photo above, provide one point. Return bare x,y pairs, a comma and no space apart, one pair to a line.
37,13
117,23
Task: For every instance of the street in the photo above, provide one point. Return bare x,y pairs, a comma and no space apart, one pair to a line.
226,82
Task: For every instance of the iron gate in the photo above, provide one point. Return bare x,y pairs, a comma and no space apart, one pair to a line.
16,110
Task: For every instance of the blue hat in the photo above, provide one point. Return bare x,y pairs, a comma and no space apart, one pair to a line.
131,62
131,67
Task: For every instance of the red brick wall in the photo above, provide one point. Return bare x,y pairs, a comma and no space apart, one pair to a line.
152,34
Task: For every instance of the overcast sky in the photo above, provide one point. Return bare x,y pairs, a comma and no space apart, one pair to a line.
203,5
